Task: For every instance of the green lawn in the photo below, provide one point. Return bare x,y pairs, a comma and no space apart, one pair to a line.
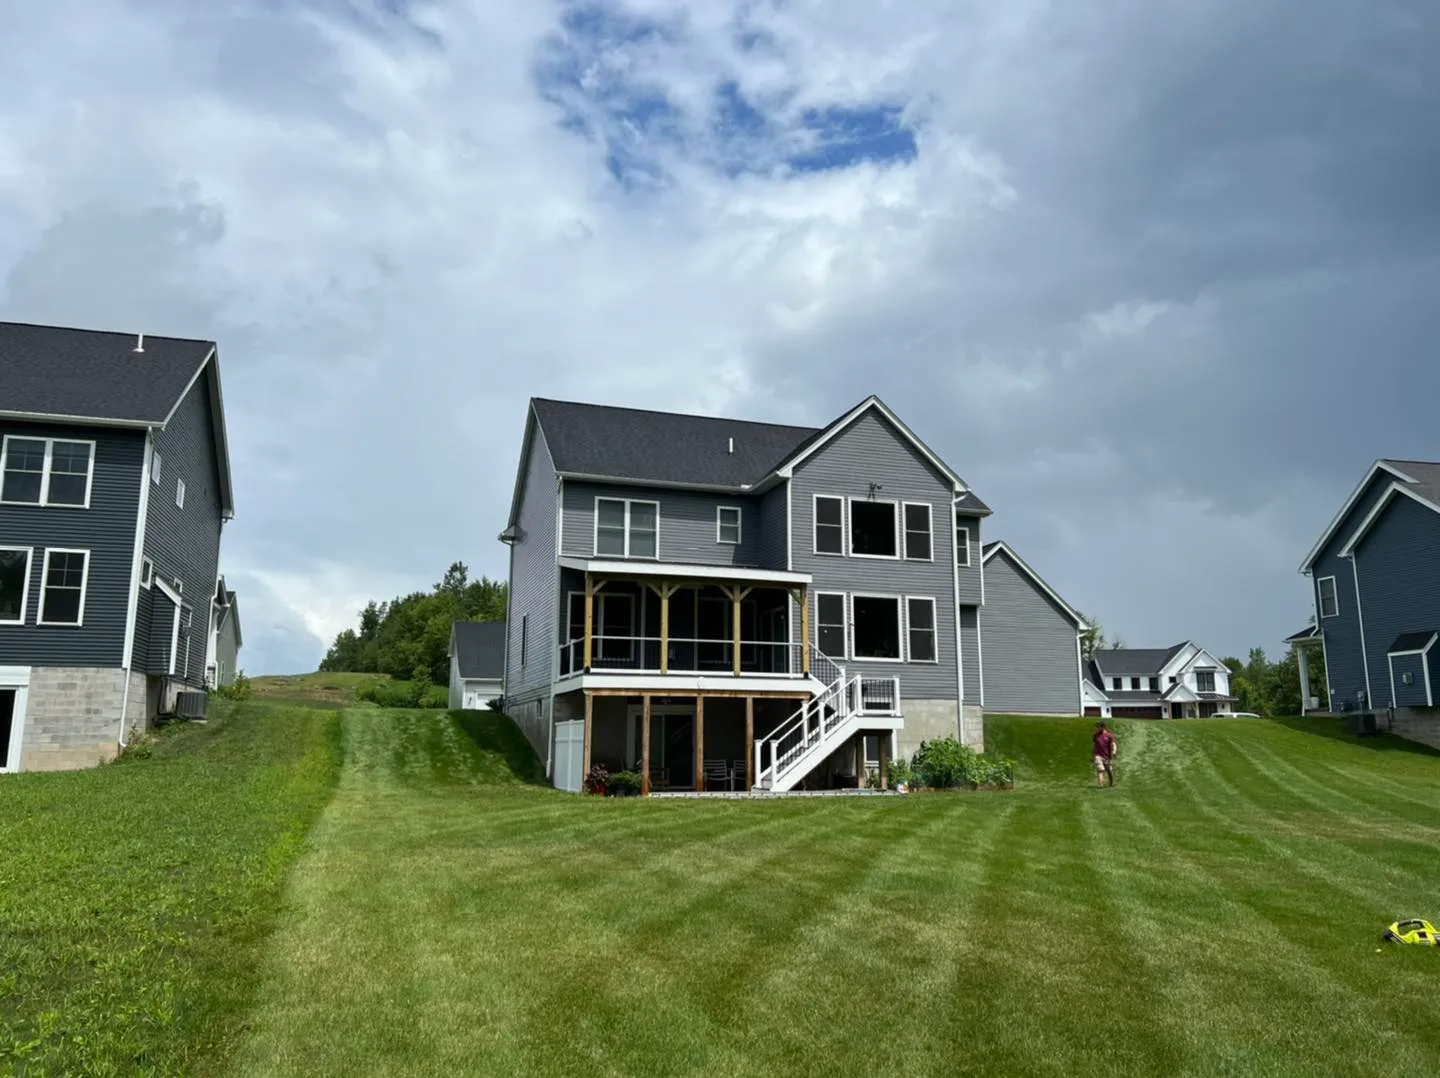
1218,912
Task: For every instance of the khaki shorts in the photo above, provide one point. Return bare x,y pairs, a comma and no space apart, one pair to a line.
1102,763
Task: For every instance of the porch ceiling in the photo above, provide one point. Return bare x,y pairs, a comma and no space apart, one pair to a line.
671,571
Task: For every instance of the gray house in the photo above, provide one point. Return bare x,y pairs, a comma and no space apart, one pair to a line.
1375,583
728,604
477,664
114,486
222,654
1031,662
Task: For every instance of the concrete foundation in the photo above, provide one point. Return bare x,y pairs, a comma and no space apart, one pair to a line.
928,720
1418,724
72,716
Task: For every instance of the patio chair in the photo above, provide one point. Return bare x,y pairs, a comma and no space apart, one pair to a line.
718,771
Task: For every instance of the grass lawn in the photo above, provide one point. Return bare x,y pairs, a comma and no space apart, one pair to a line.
337,690
1218,912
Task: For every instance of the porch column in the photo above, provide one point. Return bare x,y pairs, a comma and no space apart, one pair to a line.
645,746
589,722
884,762
749,743
589,639
858,744
665,590
736,595
699,743
1300,658
804,630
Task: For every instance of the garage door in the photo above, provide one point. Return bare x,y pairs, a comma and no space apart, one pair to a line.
1135,712
1092,712
569,753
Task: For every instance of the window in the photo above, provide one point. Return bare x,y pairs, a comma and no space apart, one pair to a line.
1154,684
962,542
1329,599
875,627
524,636
14,584
727,524
155,469
920,626
1205,680
830,624
147,572
1134,684
1173,679
62,597
917,531
873,533
626,529
829,525
1117,683
46,471
179,494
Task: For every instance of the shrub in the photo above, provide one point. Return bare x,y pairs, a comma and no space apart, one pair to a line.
392,693
943,763
434,696
899,770
239,689
623,782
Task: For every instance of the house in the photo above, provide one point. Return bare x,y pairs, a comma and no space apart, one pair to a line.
1375,584
1031,660
222,651
477,664
114,487
1181,682
728,604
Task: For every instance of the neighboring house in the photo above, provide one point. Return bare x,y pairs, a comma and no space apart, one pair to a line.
1182,682
222,652
1375,583
721,603
477,664
1031,662
114,486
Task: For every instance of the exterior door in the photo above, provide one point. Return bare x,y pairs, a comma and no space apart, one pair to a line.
12,712
672,742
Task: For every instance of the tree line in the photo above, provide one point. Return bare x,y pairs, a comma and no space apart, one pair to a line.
409,637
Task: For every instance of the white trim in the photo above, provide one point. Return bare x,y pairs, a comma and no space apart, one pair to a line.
684,684
44,584
47,469
559,516
739,512
627,502
1425,672
648,568
1374,515
147,572
157,462
78,420
1325,657
789,526
844,624
1390,664
174,638
980,654
524,637
955,541
897,528
1320,598
1360,618
138,562
1325,537
815,500
24,584
167,590
959,637
179,493
1000,545
16,679
1418,651
899,626
934,628
905,530
1080,670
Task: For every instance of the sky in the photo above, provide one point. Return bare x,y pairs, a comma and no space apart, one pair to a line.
1158,279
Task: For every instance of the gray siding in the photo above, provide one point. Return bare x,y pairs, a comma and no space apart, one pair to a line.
185,543
687,523
1399,588
106,529
159,620
970,653
227,651
534,579
1031,666
774,535
1412,695
970,577
871,450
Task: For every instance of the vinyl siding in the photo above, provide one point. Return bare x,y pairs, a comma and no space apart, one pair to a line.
1399,588
687,533
185,543
1030,658
871,450
1412,695
159,620
971,588
227,651
534,578
970,652
106,529
774,537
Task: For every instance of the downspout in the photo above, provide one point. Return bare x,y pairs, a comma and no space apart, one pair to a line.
959,642
137,559
1360,619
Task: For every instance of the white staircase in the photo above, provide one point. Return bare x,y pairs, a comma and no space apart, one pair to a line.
847,706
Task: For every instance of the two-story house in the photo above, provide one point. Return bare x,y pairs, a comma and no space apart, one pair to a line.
1180,682
738,605
114,485
1375,584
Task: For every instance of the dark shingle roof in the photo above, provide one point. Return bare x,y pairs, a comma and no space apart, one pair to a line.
1135,660
1426,476
1131,699
664,447
1092,674
972,504
480,649
90,374
1310,632
1411,641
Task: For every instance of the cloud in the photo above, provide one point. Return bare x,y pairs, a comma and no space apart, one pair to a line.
1156,279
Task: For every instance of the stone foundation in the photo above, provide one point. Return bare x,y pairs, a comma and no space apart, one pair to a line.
927,720
72,716
1417,724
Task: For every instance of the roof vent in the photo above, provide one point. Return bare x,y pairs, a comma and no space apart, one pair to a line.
140,342
732,446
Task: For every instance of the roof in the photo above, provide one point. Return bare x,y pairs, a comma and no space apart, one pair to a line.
1130,699
92,376
1092,674
1412,642
1135,660
1419,489
1417,477
1000,546
1310,632
479,648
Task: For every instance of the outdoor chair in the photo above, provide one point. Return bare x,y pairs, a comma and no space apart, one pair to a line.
718,771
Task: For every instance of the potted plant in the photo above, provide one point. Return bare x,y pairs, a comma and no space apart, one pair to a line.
596,781
623,784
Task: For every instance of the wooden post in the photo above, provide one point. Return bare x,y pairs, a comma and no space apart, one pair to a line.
589,639
884,762
749,743
804,631
645,747
665,590
699,743
736,595
585,757
860,761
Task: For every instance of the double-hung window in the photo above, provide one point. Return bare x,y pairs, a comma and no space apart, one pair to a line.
920,626
1204,680
62,593
1329,598
727,524
14,584
962,541
918,542
46,471
830,627
626,529
829,525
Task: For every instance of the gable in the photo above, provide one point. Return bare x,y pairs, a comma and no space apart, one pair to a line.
1362,499
535,460
1395,497
872,442
1003,551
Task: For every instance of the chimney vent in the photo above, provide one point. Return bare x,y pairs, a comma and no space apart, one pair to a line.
140,342
732,445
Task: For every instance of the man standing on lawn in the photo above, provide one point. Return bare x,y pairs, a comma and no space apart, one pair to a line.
1104,752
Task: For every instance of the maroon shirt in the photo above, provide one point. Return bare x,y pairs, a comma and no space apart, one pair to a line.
1105,744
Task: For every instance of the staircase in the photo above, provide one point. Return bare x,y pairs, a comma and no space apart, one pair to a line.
822,724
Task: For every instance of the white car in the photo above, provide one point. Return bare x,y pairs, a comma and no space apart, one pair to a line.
1235,715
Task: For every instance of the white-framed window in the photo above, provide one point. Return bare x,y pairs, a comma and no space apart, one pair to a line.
1204,680
46,471
177,584
524,636
625,528
1117,683
962,542
1134,684
1329,597
875,628
919,536
179,494
920,629
727,524
147,572
830,624
14,584
829,524
874,528
155,469
62,587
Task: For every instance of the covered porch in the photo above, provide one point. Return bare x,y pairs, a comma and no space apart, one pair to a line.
1183,702
1305,643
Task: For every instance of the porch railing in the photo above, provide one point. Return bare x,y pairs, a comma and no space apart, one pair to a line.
686,655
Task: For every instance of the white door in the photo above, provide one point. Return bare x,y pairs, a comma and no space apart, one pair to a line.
13,690
569,754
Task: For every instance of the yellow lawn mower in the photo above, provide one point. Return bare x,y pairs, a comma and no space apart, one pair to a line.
1412,931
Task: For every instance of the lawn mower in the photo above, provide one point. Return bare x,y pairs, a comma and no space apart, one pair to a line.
1412,931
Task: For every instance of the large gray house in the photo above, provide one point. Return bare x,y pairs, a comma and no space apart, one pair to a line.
735,605
114,485
1375,585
